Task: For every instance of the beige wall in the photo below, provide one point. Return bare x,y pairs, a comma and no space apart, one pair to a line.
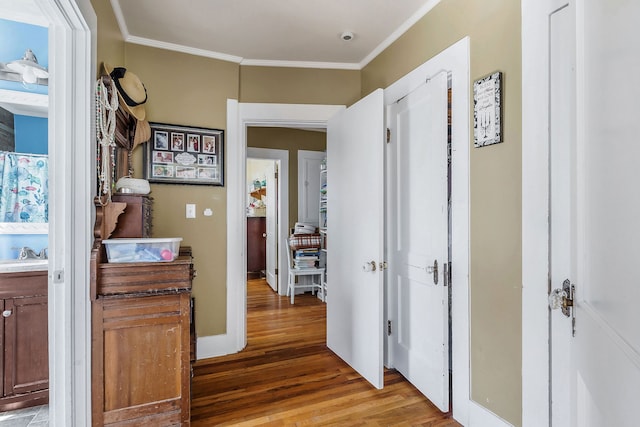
496,334
110,42
192,91
291,140
299,85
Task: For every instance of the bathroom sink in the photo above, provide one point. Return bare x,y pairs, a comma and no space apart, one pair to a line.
16,265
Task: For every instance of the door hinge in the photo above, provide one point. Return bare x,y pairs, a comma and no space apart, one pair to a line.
388,327
276,273
388,135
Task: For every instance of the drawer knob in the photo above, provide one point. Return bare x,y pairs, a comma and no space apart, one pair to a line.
7,313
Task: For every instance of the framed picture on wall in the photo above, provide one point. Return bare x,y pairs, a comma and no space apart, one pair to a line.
487,120
184,155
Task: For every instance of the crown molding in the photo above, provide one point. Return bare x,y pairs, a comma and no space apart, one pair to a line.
239,60
184,49
117,11
300,64
399,32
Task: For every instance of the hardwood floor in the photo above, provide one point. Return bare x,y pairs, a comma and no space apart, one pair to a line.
287,376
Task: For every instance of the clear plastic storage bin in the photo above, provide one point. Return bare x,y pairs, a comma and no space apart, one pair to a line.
142,250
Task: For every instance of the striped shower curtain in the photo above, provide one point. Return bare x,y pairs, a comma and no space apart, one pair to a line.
24,187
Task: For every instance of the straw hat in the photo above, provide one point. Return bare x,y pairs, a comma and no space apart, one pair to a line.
143,133
131,91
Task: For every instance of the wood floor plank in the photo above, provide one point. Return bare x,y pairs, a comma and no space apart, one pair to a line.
286,376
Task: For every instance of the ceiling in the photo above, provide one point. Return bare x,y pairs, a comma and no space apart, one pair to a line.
298,33
295,33
289,33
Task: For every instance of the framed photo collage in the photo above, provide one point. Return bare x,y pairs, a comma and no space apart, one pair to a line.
184,155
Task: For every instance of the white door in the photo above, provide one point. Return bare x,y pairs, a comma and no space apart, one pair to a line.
355,211
309,186
601,237
271,173
418,239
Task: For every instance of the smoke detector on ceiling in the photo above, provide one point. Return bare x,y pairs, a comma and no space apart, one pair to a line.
347,36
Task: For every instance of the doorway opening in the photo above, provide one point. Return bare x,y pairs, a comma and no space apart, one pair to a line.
262,220
271,215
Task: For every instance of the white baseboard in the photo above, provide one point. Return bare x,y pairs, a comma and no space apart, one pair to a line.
479,416
214,346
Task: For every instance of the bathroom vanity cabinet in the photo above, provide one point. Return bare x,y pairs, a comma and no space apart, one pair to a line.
24,369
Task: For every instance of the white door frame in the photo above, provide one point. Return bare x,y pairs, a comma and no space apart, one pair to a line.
72,65
283,206
535,210
239,117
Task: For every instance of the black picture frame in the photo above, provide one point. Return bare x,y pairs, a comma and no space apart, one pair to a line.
184,155
487,117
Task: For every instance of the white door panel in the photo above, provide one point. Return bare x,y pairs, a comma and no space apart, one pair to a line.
418,200
309,186
272,225
355,183
600,231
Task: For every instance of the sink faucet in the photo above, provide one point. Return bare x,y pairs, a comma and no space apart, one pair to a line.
27,253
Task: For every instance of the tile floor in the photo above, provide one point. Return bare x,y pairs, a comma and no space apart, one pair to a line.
37,416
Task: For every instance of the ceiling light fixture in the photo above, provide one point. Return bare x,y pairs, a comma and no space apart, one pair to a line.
347,36
28,68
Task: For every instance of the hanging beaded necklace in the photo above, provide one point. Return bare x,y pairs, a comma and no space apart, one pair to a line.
106,107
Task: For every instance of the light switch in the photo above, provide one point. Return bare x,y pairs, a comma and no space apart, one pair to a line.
191,210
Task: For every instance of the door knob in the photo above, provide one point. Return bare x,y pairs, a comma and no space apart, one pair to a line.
369,266
264,235
433,269
562,298
7,313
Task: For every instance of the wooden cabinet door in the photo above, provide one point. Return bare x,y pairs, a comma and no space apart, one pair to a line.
141,360
256,244
26,350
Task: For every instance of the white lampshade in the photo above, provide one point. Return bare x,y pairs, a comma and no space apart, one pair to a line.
29,68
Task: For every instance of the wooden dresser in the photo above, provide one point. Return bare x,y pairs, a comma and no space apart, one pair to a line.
141,315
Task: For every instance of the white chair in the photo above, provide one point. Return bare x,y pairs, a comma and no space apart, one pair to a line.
295,273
